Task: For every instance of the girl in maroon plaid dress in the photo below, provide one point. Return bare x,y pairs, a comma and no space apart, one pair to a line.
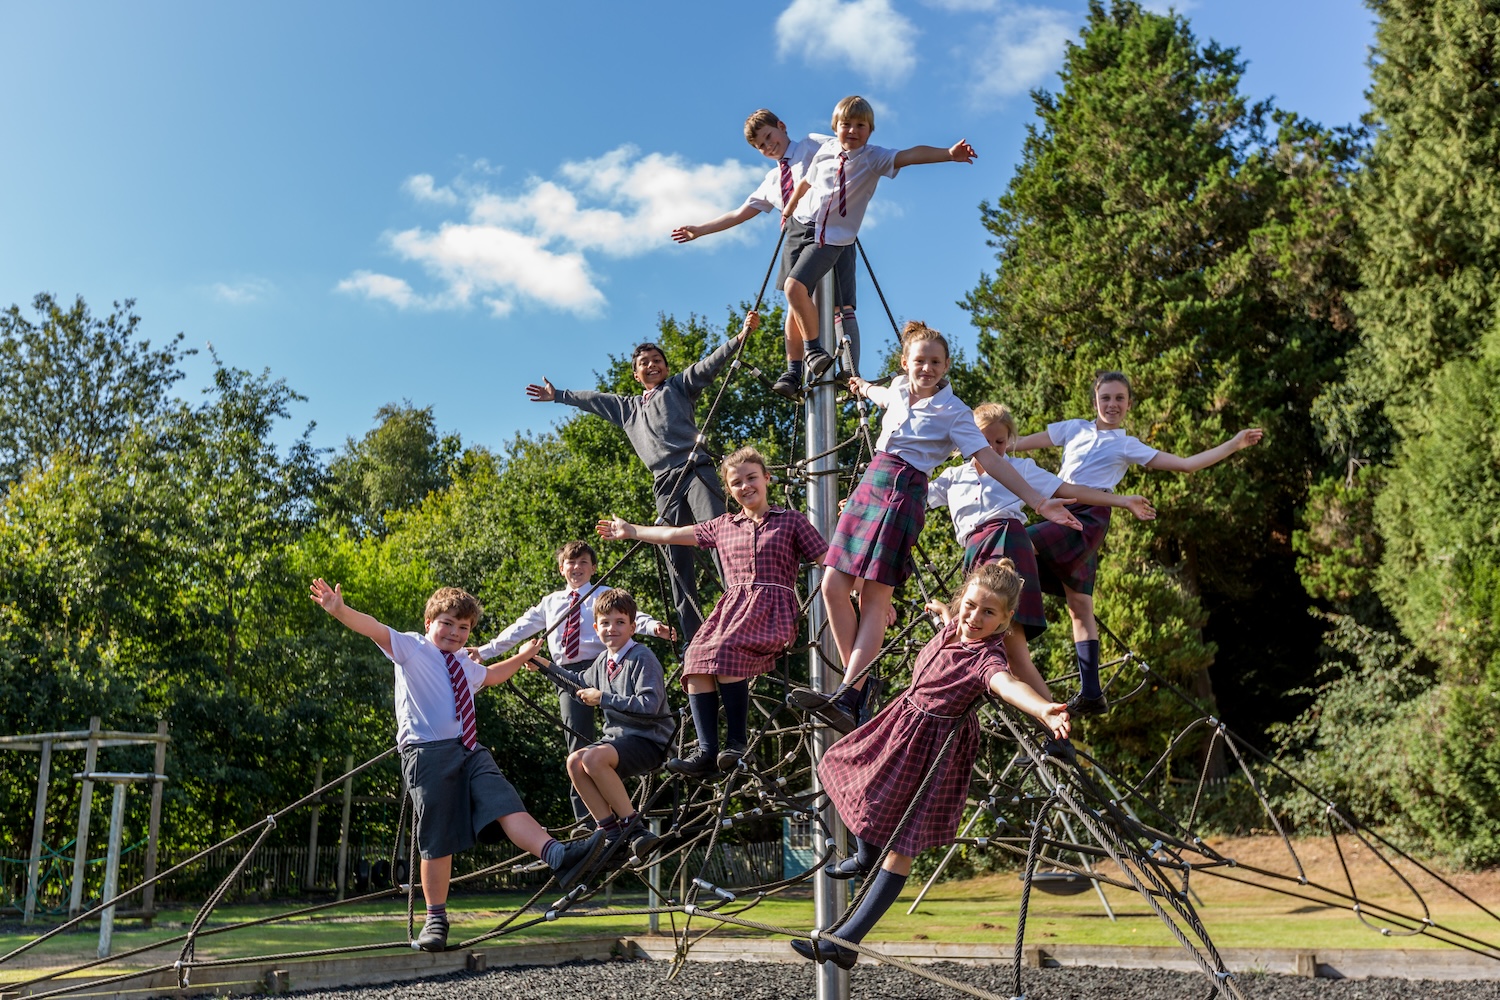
873,774
922,424
761,548
1098,453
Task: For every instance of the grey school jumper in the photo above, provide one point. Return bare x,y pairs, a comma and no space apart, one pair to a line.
635,699
662,430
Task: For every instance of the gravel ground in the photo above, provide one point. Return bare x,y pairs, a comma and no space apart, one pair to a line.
623,980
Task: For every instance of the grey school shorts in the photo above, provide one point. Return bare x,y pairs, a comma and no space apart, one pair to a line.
637,754
456,793
804,260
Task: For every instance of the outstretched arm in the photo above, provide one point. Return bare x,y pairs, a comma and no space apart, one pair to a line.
1166,462
619,529
686,234
331,600
499,673
1016,692
1031,442
1055,509
959,152
1136,504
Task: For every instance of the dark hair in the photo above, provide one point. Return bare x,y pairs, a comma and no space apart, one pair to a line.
1120,377
640,349
574,549
452,601
615,600
759,120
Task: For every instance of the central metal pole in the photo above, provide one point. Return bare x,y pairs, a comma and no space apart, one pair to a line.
829,896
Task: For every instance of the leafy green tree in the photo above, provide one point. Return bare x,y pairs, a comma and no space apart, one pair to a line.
72,381
1157,225
392,468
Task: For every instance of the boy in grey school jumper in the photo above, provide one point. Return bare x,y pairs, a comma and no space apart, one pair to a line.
456,787
663,430
627,680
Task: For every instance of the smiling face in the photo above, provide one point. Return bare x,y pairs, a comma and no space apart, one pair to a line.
1111,402
651,369
577,570
925,363
771,140
615,628
747,484
449,632
997,434
981,614
853,134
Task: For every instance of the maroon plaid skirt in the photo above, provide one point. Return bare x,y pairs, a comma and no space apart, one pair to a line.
749,628
881,522
1006,538
1068,558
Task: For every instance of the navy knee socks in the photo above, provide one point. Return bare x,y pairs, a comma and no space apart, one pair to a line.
1088,668
882,895
736,699
705,708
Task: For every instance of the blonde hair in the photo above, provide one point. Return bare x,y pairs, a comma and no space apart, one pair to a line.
744,456
759,120
452,601
988,414
854,109
999,578
916,331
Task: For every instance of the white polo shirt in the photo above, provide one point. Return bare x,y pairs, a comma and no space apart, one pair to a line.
863,169
1096,458
424,696
926,431
973,497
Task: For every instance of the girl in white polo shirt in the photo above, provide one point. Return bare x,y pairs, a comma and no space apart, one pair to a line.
1097,453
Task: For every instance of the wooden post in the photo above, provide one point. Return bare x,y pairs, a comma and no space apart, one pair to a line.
344,826
34,868
112,870
153,830
85,807
312,834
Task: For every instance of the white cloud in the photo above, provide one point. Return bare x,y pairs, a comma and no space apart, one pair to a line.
867,35
538,246
242,293
1024,47
962,5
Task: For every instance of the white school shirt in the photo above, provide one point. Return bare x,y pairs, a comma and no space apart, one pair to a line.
554,608
924,433
974,498
862,171
767,197
424,696
1096,458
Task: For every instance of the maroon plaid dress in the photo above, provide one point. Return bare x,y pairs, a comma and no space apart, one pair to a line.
1007,538
881,522
1068,558
757,617
872,774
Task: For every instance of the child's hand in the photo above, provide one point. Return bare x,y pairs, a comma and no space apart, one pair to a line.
686,234
543,393
1141,508
1056,511
1055,718
752,322
616,528
472,652
962,152
1247,437
330,599
590,696
664,631
938,610
858,386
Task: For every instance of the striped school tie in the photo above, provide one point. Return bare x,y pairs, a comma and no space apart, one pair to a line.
572,628
463,702
786,186
843,208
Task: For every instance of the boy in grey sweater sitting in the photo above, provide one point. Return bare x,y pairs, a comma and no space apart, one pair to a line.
627,681
663,429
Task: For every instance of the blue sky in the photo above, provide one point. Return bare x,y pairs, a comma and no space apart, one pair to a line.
443,202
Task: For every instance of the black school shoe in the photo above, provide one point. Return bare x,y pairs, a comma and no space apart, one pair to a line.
578,857
849,868
643,843
789,385
817,361
700,765
1079,706
823,951
730,756
840,711
434,936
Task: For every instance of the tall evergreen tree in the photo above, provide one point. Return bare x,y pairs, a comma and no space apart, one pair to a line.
1157,226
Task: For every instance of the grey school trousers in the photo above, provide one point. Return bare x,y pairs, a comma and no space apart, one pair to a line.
697,498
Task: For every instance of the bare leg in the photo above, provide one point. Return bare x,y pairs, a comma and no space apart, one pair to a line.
1081,610
699,683
836,588
436,873
897,863
525,832
583,783
599,764
874,604
799,300
1021,667
795,349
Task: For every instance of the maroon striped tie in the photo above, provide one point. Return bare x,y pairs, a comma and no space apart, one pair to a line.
463,702
611,668
843,208
786,186
573,626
